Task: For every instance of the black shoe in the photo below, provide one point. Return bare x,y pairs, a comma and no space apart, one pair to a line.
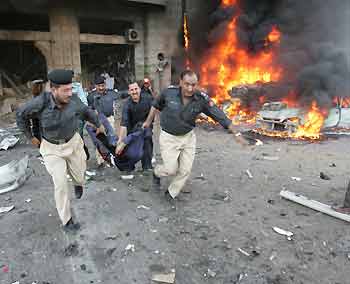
156,180
78,189
169,198
71,227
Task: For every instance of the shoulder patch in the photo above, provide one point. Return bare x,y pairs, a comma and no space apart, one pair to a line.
203,95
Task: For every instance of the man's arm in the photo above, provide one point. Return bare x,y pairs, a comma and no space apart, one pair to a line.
91,116
30,110
211,110
150,117
157,105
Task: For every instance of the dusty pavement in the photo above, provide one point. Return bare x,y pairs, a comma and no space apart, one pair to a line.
200,236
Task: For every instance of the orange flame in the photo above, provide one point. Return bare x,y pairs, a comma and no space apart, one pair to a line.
228,65
186,33
226,3
312,127
274,35
186,41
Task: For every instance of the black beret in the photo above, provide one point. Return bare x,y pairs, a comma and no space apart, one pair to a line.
99,80
60,76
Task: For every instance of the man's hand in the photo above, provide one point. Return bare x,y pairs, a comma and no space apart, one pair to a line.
145,125
90,124
238,136
240,139
101,130
36,142
120,147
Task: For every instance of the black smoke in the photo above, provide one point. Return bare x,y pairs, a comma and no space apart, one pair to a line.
314,50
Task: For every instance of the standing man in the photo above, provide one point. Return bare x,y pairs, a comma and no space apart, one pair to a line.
135,112
104,102
59,114
179,107
147,87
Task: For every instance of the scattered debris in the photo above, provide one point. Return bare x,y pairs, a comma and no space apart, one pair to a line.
163,220
143,207
220,196
127,177
324,176
14,174
5,269
258,142
111,238
6,209
130,247
211,273
83,267
71,250
283,232
273,255
271,158
164,278
271,201
200,177
296,178
90,174
28,200
243,252
193,220
17,282
313,204
7,139
110,251
8,142
332,165
249,174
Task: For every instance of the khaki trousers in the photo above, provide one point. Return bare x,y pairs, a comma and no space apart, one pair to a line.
178,155
60,160
99,158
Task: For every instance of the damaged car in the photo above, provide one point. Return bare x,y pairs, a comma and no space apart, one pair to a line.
277,116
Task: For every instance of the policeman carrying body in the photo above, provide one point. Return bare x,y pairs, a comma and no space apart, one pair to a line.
59,113
180,107
135,112
106,102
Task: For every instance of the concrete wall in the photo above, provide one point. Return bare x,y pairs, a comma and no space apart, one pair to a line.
161,36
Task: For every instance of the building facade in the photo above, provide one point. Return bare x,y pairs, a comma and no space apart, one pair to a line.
96,36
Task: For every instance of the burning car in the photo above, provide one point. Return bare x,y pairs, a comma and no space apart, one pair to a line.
278,117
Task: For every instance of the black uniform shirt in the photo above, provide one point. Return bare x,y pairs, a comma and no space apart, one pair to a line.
134,113
103,103
179,119
55,123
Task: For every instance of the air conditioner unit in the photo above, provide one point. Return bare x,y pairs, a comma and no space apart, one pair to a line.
132,35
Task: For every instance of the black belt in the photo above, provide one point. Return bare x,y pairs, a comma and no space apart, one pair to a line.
58,141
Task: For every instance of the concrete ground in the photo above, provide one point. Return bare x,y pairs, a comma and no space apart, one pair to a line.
200,236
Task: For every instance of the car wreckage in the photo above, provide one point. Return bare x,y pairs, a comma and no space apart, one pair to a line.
277,116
